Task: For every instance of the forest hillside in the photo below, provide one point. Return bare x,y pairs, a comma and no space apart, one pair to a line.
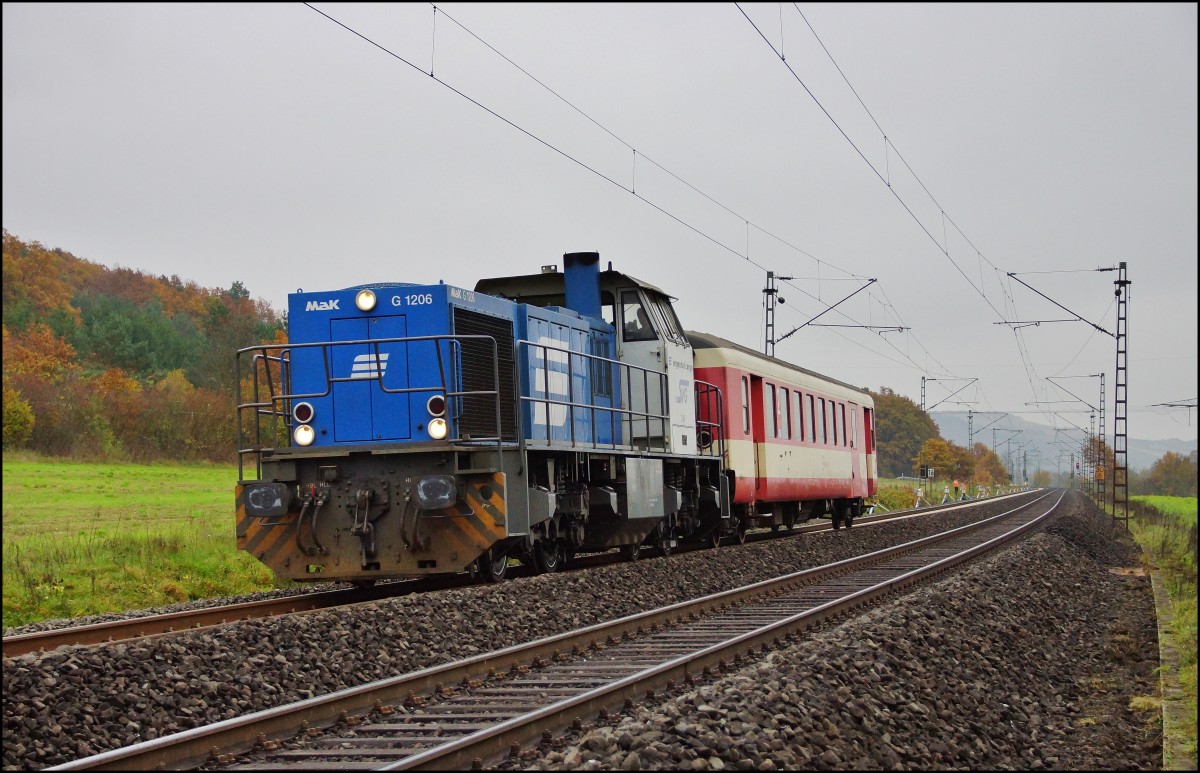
103,363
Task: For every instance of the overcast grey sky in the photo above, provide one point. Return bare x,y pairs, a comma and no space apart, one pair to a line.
268,144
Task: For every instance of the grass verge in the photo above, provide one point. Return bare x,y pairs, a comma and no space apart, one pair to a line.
84,538
1167,527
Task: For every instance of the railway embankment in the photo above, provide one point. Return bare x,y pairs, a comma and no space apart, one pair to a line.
76,701
1042,657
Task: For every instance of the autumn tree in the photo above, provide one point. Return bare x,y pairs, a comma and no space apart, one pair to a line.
901,428
1172,475
35,283
938,454
18,417
989,470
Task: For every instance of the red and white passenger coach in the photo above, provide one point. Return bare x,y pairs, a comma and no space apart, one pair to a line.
798,444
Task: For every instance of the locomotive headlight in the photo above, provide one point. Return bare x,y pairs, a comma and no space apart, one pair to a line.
437,429
304,435
436,405
365,300
434,492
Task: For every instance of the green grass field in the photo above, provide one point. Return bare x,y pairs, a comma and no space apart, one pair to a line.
87,538
1170,532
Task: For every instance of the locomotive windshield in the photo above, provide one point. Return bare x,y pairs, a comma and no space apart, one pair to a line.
646,318
635,321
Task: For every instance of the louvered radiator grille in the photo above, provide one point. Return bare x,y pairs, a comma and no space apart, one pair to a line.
479,413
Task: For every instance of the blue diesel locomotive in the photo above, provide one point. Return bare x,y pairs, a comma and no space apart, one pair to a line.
407,430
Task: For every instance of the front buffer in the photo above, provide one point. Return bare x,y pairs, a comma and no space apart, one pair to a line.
390,517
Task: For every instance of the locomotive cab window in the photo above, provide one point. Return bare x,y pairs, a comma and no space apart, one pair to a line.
608,307
664,316
635,320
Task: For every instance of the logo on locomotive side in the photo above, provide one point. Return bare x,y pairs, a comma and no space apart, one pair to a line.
366,366
322,305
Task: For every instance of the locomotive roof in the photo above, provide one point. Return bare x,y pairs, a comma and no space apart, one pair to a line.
709,341
519,288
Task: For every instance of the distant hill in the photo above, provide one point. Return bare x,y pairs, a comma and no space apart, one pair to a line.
953,426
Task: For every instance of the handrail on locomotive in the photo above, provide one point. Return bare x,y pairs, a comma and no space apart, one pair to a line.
278,402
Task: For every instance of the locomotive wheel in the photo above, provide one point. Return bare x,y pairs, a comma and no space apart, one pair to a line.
494,566
775,528
741,533
715,538
630,552
548,556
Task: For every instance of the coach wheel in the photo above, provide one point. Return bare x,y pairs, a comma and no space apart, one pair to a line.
630,552
836,516
850,512
741,532
548,555
775,528
494,565
363,584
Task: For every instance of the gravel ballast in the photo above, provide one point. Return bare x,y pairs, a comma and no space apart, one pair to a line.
78,701
1026,661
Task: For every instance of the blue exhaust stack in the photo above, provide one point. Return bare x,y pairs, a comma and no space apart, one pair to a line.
582,274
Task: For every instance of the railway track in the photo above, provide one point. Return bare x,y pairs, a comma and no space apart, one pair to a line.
152,625
479,709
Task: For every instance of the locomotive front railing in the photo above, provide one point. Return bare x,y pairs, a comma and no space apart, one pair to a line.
272,371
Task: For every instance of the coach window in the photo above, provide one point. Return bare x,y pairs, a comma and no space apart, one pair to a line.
770,410
833,428
635,322
853,427
798,417
745,405
810,418
785,414
824,420
845,432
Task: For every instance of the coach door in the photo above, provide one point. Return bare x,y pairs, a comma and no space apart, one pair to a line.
852,426
759,430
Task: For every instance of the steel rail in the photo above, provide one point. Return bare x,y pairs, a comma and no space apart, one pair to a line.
220,741
472,749
112,631
192,619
